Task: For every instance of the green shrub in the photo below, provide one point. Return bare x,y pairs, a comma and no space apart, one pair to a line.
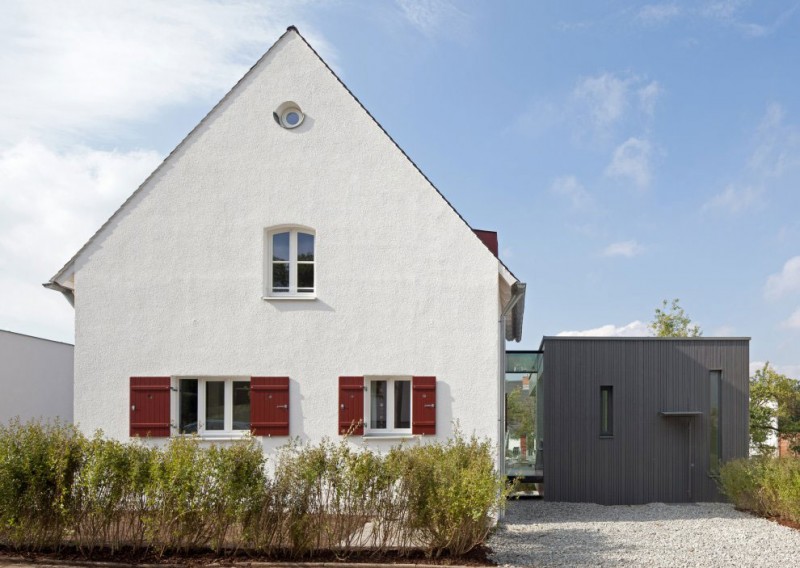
38,465
111,495
767,486
58,488
452,491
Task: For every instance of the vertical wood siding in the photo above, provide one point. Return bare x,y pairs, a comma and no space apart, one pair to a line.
650,457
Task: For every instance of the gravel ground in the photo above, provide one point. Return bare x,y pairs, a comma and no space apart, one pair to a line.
540,533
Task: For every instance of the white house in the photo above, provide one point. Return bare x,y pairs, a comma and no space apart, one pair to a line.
289,270
35,378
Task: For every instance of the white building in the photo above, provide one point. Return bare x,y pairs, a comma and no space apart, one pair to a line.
35,378
288,269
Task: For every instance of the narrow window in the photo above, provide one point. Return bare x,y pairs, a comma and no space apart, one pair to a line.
215,405
241,405
377,407
290,259
606,410
715,433
187,406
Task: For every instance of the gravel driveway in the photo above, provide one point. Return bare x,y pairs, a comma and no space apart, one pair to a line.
539,533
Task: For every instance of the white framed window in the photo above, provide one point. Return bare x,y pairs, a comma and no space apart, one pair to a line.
212,406
290,262
387,405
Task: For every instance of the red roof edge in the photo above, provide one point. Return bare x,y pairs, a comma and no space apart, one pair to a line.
489,238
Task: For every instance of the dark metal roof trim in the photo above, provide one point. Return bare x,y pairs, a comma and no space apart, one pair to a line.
636,338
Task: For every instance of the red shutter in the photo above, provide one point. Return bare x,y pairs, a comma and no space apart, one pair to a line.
423,405
150,403
269,406
351,405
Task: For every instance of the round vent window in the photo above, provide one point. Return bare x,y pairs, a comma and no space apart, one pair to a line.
289,115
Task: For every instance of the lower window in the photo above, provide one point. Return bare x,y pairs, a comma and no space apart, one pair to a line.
213,406
388,405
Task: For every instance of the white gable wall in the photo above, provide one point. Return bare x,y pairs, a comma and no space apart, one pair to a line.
173,286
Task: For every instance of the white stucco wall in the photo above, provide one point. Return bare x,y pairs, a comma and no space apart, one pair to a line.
174,285
35,378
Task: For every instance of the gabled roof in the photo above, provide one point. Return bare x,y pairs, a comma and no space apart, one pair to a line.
58,283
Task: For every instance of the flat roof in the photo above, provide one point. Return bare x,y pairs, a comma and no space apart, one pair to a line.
34,337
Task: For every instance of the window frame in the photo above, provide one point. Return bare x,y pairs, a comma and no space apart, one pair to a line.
292,293
716,381
390,430
607,411
227,432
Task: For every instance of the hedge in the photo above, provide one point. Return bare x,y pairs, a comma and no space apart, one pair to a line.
60,489
766,486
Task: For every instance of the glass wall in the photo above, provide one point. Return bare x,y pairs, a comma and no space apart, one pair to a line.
522,388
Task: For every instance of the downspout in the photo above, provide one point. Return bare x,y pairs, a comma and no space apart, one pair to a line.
68,293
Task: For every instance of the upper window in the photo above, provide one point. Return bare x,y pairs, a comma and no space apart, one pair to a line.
213,406
290,262
388,405
289,115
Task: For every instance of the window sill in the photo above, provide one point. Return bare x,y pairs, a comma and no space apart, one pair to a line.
219,438
389,436
288,297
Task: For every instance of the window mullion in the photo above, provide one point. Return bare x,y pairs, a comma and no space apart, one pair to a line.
293,262
228,402
201,406
390,405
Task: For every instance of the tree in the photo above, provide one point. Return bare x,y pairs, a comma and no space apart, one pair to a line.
673,323
774,409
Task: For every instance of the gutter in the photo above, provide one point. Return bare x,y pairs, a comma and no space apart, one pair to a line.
516,307
68,293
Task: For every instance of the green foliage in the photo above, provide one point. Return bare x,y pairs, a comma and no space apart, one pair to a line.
58,488
673,323
767,486
452,491
774,408
38,466
521,412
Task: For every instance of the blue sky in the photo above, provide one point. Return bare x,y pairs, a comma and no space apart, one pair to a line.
626,152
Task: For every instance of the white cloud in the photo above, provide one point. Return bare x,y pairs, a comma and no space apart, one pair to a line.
729,13
648,96
784,282
52,203
434,17
732,200
76,68
572,189
657,14
628,249
777,144
634,329
794,320
631,160
605,97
